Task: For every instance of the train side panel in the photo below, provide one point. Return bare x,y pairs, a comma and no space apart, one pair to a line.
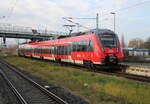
78,49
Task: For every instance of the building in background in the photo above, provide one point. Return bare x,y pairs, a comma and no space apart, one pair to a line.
136,52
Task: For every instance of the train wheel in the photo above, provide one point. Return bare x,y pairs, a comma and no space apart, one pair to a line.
86,64
92,66
57,60
89,65
41,58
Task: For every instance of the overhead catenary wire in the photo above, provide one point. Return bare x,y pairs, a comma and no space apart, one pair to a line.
76,23
132,6
118,10
128,7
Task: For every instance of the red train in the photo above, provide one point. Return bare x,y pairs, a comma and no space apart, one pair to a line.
97,46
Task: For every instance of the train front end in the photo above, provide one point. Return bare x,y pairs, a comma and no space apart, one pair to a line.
110,48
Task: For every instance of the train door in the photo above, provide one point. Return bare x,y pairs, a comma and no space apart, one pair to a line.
90,50
69,51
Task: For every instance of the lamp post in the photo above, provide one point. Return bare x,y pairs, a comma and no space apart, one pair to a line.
1,43
114,20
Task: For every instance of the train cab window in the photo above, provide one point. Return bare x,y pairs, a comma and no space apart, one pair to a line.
108,40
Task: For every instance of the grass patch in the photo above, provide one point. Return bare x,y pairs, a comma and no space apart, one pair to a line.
95,88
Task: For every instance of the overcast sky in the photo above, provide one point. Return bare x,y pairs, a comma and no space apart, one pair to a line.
132,22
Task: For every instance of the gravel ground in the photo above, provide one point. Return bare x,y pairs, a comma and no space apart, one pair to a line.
59,91
29,92
6,95
137,64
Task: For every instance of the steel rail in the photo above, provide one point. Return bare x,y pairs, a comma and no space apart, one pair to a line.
12,87
145,65
44,90
128,76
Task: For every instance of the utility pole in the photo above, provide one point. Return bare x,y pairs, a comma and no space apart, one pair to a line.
114,20
97,21
1,39
78,26
4,41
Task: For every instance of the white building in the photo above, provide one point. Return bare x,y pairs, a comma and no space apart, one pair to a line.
138,52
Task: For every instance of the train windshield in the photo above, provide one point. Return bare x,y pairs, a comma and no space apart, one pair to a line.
108,40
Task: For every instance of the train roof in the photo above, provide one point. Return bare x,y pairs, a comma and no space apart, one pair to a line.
93,31
102,31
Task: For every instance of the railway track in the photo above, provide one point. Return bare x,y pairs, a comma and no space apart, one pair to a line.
12,87
125,75
118,73
147,65
26,90
7,96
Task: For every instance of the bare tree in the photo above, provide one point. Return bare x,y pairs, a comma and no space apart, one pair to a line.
136,43
147,43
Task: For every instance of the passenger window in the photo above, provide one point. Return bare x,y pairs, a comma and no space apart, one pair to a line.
78,46
90,47
69,48
74,46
